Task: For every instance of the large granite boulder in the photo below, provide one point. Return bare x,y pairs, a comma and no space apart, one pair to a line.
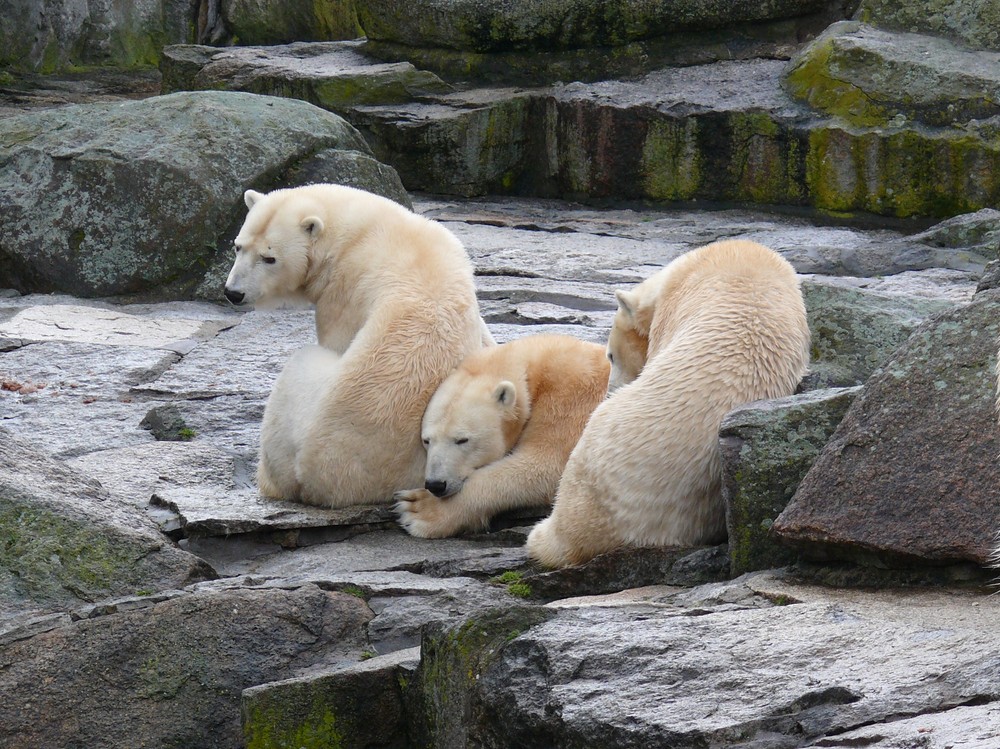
143,197
869,77
68,542
52,35
910,475
767,447
975,23
169,671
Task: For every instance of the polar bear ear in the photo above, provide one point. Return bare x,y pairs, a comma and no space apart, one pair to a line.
627,302
505,394
312,225
250,197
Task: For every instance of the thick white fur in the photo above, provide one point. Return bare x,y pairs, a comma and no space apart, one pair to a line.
499,430
396,312
729,327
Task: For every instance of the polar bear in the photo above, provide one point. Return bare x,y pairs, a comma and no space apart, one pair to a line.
729,327
629,337
396,312
499,430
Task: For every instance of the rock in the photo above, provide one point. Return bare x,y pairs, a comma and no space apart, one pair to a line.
92,192
170,674
990,278
484,26
734,675
724,131
767,447
909,475
358,706
869,77
335,76
281,21
67,541
47,36
975,23
955,727
854,331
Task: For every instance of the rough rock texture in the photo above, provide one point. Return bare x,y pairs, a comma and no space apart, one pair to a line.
767,447
51,35
743,673
171,673
66,541
334,76
972,22
283,21
721,131
854,331
489,26
868,77
359,706
911,472
90,193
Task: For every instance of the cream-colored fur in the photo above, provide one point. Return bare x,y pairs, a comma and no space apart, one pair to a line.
629,339
499,430
729,327
396,312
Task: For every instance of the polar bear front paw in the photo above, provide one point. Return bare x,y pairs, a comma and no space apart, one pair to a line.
424,515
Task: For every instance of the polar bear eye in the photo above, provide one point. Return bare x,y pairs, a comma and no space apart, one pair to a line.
268,259
611,357
461,440
236,249
425,441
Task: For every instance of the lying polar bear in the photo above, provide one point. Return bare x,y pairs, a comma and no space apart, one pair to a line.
499,430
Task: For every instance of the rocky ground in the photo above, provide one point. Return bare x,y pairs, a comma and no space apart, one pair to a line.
297,609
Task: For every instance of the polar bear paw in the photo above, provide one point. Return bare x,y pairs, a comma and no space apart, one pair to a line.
423,515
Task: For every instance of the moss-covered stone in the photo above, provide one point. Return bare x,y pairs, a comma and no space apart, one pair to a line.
767,448
283,21
452,659
972,22
866,77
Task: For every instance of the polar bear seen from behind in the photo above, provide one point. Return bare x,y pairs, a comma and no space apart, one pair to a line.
729,327
396,312
499,430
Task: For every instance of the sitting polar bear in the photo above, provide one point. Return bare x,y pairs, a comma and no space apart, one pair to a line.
728,326
396,312
499,430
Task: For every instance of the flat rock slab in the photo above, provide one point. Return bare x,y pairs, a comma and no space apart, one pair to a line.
334,75
733,673
911,472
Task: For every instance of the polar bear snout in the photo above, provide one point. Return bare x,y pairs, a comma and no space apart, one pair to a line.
236,297
437,487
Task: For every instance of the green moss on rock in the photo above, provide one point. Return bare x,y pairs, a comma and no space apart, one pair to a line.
319,727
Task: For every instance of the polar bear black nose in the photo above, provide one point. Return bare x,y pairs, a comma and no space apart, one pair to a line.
437,488
234,296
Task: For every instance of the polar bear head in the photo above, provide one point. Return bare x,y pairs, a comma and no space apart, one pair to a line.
273,246
473,419
628,343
